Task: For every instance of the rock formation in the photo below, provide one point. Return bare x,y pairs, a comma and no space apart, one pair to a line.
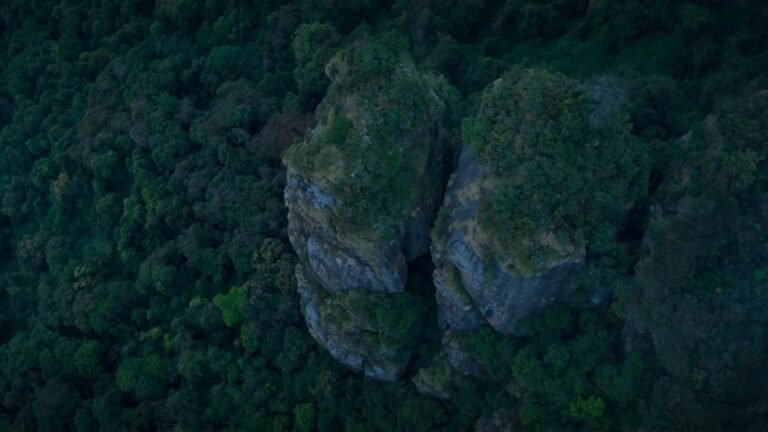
362,192
547,166
472,284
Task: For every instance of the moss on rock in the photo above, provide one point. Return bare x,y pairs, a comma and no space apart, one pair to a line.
372,143
564,163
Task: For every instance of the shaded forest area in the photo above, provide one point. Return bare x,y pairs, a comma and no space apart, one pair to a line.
148,282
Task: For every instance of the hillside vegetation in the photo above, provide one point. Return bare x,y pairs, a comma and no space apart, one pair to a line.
146,274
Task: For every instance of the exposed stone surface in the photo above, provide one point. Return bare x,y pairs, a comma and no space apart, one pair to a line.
502,295
340,261
348,334
346,259
310,302
362,192
455,307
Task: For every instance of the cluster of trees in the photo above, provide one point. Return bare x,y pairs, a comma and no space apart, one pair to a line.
147,282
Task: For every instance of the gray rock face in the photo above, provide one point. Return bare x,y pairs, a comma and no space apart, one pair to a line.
333,263
337,261
357,246
502,297
348,344
310,302
455,308
342,268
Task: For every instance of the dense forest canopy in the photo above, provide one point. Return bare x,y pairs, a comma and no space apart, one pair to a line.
147,280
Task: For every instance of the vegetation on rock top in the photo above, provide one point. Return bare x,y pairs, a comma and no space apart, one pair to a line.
375,137
565,164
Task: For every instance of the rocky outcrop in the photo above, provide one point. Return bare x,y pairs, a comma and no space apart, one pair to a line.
335,344
361,193
546,163
339,261
455,306
473,284
344,326
342,260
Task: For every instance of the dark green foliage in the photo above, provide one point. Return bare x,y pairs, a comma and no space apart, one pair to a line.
569,376
146,282
146,278
703,267
564,156
372,321
231,305
88,359
378,112
313,46
305,417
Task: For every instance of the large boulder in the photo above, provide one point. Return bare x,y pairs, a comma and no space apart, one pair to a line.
548,168
373,332
472,284
362,192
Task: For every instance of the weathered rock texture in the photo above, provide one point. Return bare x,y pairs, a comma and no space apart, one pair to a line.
362,192
346,327
473,285
337,260
546,164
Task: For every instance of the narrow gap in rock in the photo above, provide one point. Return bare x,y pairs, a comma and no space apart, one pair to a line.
633,229
428,342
